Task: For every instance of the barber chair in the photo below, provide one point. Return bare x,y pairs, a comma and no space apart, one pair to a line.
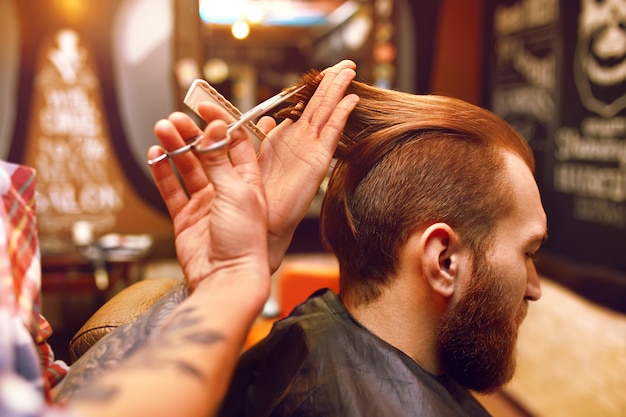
123,307
296,279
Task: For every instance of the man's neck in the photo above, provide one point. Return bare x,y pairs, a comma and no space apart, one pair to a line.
402,317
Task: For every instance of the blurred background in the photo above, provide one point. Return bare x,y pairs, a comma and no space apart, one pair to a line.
83,82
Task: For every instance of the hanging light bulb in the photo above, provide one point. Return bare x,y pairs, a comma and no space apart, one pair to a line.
254,13
215,70
240,29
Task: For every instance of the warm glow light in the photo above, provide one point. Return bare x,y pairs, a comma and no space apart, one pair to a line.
240,29
186,70
356,30
71,6
241,89
254,13
221,11
277,12
71,9
215,70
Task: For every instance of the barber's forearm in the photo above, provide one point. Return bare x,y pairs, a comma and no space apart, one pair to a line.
117,346
185,369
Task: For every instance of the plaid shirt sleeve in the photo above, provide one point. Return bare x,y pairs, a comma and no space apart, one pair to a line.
27,367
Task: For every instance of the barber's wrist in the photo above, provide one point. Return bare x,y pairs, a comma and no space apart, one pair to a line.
249,276
278,246
277,250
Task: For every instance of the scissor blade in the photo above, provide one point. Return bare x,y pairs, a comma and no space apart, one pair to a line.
265,106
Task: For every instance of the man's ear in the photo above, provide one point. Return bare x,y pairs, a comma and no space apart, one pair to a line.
443,256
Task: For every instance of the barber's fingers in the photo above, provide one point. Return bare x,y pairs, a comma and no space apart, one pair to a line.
211,111
167,182
331,130
329,92
217,162
266,124
174,133
241,148
243,154
186,126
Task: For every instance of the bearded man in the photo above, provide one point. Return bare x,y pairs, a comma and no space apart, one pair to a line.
434,215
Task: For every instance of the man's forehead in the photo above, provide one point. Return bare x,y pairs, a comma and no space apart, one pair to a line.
528,209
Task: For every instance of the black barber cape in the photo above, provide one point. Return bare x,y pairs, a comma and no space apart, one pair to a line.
320,361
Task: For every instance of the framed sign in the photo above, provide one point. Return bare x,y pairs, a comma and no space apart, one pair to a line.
556,70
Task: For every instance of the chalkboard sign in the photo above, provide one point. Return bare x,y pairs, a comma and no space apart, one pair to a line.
71,143
556,70
67,123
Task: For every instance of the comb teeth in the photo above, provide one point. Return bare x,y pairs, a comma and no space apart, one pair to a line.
200,91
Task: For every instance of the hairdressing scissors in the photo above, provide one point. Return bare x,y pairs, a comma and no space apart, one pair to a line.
256,111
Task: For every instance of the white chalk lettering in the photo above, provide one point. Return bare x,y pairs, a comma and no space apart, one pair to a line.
91,149
590,181
570,145
87,198
66,121
601,127
98,197
525,15
528,100
538,71
62,198
599,211
54,149
74,97
73,151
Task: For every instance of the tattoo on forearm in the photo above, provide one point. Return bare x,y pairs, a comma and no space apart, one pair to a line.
181,331
117,346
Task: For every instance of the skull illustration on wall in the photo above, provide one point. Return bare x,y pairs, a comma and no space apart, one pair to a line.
600,60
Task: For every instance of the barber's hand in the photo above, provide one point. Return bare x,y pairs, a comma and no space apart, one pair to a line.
220,221
295,157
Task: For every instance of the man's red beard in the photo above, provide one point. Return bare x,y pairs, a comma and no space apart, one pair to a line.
477,337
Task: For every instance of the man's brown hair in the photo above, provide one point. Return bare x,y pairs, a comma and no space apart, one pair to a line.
403,162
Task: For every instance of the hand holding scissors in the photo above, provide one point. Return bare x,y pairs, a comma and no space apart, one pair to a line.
293,158
255,112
